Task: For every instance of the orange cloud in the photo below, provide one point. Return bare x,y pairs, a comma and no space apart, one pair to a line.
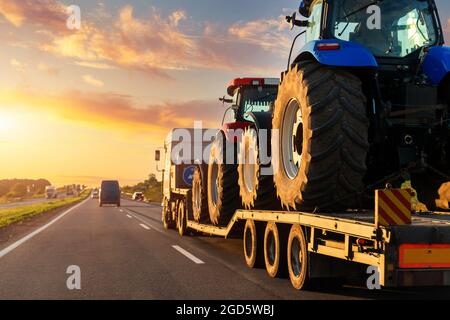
269,34
154,44
37,12
116,111
91,80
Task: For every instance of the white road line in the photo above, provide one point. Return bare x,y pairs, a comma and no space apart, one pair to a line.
144,226
147,223
16,244
130,217
188,255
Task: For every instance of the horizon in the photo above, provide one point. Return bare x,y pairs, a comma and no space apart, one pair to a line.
72,101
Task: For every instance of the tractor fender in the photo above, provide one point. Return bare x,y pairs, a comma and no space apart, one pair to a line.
261,120
436,64
349,54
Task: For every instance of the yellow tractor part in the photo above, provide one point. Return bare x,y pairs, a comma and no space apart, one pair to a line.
416,205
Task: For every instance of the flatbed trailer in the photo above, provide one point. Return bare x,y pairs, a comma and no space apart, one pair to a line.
416,253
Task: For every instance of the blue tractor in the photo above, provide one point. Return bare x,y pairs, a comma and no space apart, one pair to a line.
363,105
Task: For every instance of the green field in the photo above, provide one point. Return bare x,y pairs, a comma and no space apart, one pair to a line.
9,216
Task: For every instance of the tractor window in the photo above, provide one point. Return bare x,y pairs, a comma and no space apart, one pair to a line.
411,32
257,99
401,28
315,19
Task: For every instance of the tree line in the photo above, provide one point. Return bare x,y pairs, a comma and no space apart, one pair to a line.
17,188
151,188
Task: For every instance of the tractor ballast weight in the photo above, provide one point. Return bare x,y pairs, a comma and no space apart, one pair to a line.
387,92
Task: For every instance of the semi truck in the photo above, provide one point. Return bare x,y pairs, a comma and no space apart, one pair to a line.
50,192
359,146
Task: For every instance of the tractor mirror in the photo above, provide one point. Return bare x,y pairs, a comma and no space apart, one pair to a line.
157,155
291,20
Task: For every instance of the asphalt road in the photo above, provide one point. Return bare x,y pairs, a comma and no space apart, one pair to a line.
125,254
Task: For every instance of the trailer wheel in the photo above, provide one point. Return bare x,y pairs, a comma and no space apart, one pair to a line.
181,218
255,187
297,258
275,250
320,138
253,241
166,215
223,189
199,197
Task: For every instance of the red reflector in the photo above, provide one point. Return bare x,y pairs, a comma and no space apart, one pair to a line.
328,46
361,242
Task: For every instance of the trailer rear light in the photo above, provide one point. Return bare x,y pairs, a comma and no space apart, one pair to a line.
328,46
361,242
422,256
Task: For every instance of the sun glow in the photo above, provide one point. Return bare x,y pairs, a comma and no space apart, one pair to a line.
7,122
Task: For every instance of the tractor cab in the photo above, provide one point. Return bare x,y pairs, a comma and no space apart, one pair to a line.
389,29
398,34
251,99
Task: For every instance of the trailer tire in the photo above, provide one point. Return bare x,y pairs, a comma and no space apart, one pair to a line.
253,242
199,197
297,258
320,138
275,241
255,187
223,188
181,218
166,215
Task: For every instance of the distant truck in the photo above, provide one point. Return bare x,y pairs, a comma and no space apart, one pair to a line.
50,192
72,190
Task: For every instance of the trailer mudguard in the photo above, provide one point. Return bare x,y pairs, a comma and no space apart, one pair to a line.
436,64
348,54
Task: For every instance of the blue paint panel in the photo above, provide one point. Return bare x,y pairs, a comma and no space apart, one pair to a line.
437,64
188,175
350,54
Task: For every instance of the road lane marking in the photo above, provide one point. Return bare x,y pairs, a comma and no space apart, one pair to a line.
16,244
129,217
147,223
188,255
144,226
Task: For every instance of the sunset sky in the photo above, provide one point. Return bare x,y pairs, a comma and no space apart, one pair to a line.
79,106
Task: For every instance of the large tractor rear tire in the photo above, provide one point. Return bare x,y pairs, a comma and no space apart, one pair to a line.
255,185
320,138
223,188
200,196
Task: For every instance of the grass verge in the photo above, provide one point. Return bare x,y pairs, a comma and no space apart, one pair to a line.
9,216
